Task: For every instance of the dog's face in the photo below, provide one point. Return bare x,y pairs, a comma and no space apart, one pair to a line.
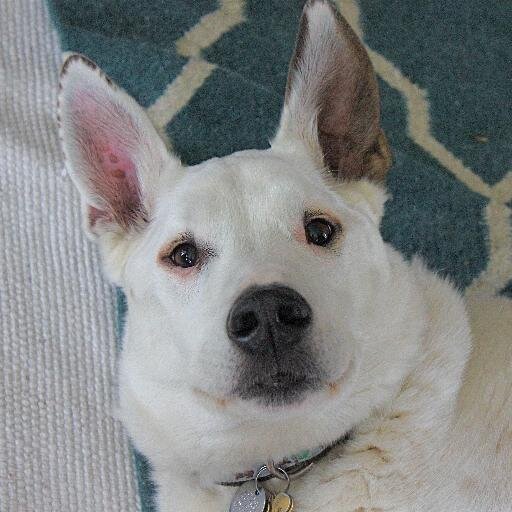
236,272
258,285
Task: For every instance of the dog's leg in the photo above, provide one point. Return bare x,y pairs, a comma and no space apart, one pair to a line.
382,469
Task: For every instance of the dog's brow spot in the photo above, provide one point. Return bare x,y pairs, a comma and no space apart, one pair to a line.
113,158
119,174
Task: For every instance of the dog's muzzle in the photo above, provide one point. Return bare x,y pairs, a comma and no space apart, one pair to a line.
271,326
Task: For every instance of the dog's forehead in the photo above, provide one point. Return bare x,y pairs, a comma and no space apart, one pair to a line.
254,184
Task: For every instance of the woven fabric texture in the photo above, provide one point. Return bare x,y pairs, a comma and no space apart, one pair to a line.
60,449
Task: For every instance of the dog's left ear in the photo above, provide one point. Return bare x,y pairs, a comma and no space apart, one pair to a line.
332,106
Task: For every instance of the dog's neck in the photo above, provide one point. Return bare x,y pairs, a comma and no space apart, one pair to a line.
293,465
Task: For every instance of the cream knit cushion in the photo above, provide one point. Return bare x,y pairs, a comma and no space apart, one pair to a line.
60,449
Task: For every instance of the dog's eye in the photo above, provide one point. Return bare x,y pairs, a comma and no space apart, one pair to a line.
319,232
184,255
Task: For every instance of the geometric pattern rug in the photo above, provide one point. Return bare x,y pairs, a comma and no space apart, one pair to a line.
211,75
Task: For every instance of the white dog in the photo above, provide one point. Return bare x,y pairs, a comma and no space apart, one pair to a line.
268,323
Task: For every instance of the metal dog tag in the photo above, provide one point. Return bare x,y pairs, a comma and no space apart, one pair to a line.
282,502
248,499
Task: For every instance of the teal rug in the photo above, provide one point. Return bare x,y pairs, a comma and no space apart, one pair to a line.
212,76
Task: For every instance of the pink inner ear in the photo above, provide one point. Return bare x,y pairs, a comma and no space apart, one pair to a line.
107,138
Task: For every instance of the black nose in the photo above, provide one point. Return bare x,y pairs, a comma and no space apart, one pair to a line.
265,318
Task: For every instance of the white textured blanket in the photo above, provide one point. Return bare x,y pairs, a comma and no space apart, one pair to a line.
60,449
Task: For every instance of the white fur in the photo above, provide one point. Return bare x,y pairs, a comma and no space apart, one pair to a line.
392,335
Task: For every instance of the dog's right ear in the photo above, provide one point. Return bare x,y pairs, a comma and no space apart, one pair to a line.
332,106
113,153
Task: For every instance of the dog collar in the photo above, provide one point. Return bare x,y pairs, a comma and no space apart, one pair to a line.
291,465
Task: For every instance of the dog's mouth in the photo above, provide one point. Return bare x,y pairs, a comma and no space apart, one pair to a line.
278,379
278,389
282,388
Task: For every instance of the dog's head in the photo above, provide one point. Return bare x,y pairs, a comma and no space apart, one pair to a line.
262,300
